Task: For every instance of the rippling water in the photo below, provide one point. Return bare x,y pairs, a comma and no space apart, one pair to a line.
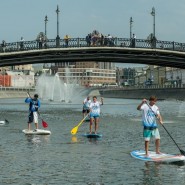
64,159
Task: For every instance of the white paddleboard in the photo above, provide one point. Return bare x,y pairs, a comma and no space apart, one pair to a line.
36,132
140,154
4,122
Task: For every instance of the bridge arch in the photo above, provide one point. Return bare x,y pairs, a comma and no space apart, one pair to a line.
159,57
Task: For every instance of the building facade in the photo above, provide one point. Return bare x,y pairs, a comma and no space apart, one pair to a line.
86,73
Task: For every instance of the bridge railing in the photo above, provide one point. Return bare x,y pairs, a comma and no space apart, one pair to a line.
81,42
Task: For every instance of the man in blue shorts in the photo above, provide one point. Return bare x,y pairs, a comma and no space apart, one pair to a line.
149,114
34,104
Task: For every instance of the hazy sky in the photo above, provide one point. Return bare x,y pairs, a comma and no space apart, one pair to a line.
79,17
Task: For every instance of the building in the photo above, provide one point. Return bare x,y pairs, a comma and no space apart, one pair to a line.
125,76
17,76
86,73
87,76
158,75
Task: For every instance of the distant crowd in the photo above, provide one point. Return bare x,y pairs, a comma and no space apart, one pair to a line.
92,39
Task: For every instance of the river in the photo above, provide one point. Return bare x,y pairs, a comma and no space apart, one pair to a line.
74,160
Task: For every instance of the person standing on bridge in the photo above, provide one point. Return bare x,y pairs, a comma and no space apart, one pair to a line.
3,45
149,114
134,40
34,105
66,40
95,113
22,43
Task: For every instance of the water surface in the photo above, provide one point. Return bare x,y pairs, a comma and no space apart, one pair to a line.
65,159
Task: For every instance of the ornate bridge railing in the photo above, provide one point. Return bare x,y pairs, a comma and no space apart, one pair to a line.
81,42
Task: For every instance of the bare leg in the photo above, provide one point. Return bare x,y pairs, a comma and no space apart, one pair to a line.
84,115
29,126
146,147
90,125
157,144
96,125
36,125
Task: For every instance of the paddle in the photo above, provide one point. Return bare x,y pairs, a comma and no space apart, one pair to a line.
44,124
181,151
6,121
75,129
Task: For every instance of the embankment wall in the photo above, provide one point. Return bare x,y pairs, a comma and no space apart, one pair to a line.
163,94
13,94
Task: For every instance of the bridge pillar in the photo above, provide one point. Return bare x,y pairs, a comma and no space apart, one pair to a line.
57,41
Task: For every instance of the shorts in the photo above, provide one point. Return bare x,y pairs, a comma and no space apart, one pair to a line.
85,111
33,116
149,133
92,115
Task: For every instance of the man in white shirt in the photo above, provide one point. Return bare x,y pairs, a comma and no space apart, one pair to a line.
149,114
95,113
86,105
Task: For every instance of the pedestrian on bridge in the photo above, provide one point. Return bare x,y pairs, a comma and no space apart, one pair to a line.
66,40
22,43
3,45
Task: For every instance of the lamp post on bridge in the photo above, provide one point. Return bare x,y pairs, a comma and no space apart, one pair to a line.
57,38
46,20
131,21
153,38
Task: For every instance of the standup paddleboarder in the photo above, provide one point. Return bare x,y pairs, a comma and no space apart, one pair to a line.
95,113
34,104
149,114
86,104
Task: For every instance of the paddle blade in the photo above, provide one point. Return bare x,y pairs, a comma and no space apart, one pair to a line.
6,121
74,130
182,152
44,124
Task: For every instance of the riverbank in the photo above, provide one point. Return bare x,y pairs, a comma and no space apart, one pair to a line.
14,92
161,93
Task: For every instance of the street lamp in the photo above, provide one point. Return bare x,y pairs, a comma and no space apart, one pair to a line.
46,20
57,38
153,14
131,21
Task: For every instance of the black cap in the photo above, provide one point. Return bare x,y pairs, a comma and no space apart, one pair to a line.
36,96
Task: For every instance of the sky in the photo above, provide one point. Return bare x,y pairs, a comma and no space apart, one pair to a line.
77,18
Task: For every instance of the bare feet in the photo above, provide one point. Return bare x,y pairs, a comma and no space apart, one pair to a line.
158,152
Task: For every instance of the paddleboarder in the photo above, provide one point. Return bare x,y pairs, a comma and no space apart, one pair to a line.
149,114
86,104
95,113
34,105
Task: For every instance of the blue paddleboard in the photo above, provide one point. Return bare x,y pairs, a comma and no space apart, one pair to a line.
162,157
98,135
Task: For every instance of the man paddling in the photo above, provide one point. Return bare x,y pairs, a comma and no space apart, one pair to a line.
95,113
149,114
86,104
34,104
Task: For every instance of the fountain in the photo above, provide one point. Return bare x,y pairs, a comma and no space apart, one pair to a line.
53,88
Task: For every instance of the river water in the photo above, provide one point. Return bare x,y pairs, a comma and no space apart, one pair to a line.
65,159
